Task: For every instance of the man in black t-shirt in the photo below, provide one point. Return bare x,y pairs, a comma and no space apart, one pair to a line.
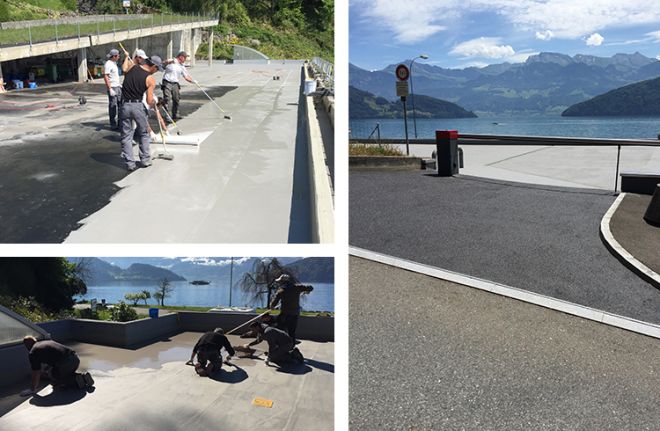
63,362
207,349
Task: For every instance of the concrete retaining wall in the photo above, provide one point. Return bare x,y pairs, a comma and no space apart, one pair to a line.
384,162
59,330
15,366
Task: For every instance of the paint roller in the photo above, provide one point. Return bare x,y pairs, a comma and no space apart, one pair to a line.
212,101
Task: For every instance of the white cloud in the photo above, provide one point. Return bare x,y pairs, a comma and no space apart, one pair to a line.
654,36
415,20
207,261
483,47
595,40
545,35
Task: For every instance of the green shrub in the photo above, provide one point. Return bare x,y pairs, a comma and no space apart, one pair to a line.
123,312
31,309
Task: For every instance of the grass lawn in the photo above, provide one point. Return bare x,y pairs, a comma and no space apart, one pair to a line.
374,150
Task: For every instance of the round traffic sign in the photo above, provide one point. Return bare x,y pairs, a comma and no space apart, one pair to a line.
402,72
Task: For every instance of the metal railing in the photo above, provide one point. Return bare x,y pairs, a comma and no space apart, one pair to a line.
545,141
56,31
326,70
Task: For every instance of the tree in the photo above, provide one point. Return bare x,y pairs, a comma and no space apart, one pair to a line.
163,291
145,295
51,281
135,297
260,281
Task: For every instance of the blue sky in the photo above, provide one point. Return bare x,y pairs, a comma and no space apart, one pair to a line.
461,33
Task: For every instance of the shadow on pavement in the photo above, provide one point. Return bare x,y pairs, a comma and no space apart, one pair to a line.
324,366
227,375
58,398
295,369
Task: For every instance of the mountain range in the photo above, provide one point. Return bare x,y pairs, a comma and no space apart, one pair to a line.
544,83
639,99
111,269
362,104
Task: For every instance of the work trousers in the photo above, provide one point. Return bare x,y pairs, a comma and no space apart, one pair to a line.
134,111
64,372
280,353
113,107
288,323
171,94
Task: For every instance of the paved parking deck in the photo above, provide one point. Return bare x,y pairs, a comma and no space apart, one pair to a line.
152,389
430,354
539,238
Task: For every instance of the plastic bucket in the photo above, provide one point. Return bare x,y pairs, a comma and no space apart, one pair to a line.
153,313
310,86
32,85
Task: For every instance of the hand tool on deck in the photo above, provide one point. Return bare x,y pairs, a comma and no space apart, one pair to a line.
212,101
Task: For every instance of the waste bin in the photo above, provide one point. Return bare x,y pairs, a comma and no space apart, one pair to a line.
153,313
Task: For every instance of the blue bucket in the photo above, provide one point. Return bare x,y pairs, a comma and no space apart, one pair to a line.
153,313
32,85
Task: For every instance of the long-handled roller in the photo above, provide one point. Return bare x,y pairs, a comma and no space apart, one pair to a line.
169,117
212,101
166,155
248,322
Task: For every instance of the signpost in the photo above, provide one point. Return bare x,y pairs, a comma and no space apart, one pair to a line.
126,4
402,74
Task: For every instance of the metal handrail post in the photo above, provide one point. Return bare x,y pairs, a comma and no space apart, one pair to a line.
616,176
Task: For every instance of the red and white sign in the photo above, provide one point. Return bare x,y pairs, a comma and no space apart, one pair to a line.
402,72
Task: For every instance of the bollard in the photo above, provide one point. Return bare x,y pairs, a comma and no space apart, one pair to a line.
652,215
446,153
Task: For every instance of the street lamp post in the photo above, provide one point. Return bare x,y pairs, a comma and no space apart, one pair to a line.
412,91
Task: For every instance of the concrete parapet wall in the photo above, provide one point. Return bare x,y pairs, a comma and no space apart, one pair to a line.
309,328
124,334
322,201
15,366
59,330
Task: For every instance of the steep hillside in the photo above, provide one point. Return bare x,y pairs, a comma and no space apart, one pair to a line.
363,104
642,98
314,269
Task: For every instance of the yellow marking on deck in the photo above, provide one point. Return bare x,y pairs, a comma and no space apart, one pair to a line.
262,402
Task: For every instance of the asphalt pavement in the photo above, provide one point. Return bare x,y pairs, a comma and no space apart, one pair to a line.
543,239
427,354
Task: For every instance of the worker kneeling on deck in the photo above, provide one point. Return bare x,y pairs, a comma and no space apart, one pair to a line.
62,361
281,348
138,82
207,349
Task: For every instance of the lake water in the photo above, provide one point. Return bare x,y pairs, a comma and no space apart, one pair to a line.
585,127
321,299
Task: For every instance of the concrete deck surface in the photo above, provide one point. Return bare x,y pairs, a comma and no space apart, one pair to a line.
247,183
430,354
581,167
152,389
639,238
541,239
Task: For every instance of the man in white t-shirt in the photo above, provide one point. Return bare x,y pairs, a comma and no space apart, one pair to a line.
111,78
174,71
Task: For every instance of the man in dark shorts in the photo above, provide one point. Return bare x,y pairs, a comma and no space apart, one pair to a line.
63,362
289,294
207,349
281,348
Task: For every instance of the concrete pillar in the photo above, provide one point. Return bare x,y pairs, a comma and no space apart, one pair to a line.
169,45
82,64
211,47
191,47
135,45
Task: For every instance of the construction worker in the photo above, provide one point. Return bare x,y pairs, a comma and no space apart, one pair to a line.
281,348
174,71
111,78
63,363
289,294
207,349
137,82
139,57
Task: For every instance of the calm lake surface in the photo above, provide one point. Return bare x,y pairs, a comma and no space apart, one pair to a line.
585,127
321,299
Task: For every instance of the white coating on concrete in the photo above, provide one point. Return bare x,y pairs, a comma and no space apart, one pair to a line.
511,292
617,248
237,188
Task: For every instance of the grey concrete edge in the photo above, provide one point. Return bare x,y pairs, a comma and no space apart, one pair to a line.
621,253
321,191
595,315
